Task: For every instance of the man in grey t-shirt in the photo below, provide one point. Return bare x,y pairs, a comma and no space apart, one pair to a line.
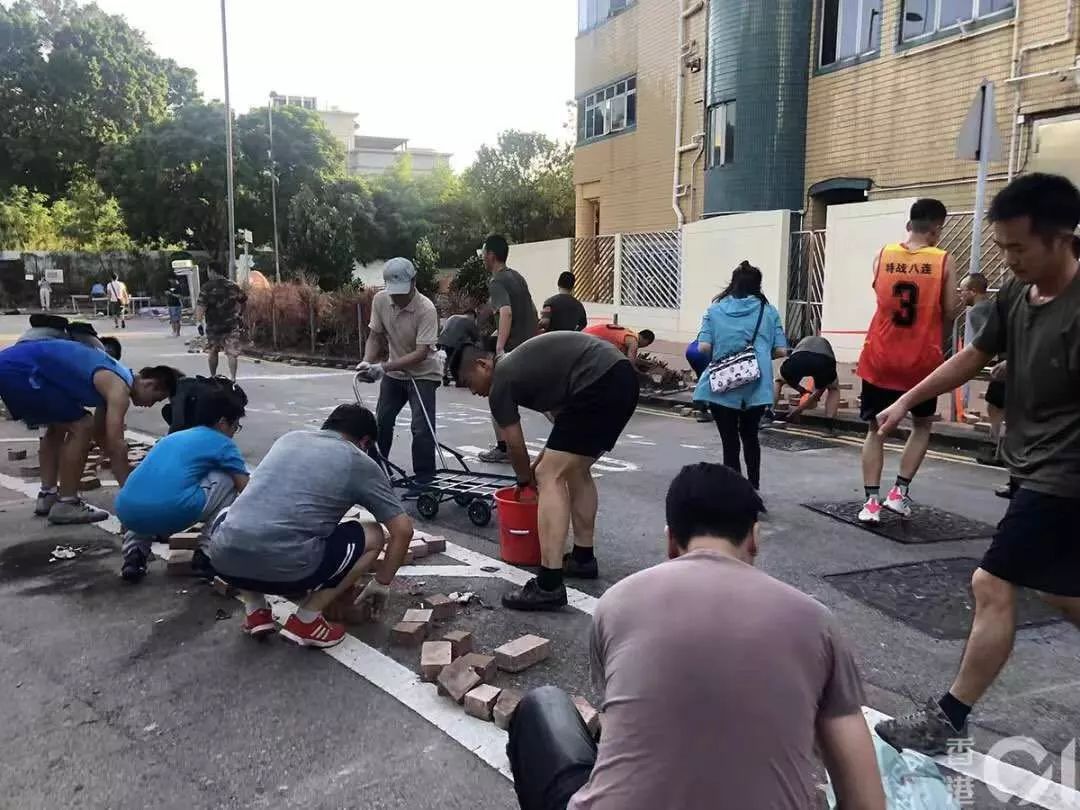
284,534
717,681
1035,321
812,357
589,391
515,317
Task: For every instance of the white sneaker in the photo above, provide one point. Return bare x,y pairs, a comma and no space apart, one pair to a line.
897,501
871,512
79,511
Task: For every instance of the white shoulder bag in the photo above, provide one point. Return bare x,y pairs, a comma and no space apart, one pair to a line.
737,369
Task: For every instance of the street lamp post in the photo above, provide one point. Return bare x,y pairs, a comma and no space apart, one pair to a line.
273,185
230,202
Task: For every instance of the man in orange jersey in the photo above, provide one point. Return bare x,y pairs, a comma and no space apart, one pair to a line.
625,340
916,299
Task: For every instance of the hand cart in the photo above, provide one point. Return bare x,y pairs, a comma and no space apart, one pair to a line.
473,491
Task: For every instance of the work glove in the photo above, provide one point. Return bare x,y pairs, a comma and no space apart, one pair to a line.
375,594
370,372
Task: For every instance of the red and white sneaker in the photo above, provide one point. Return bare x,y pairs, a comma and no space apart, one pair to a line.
871,512
259,624
898,502
319,633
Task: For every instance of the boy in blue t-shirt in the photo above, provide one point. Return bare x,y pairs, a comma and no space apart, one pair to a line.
187,477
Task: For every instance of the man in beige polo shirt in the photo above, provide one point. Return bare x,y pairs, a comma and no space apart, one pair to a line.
401,351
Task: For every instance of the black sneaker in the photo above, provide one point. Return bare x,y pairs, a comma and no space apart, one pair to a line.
531,596
575,568
134,568
201,566
928,731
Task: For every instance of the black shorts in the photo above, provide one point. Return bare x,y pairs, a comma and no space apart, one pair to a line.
995,394
592,421
116,309
1035,544
344,546
874,400
809,364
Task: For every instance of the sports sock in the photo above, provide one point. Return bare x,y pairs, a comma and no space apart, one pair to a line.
549,579
956,711
903,484
307,616
582,554
873,492
501,445
48,491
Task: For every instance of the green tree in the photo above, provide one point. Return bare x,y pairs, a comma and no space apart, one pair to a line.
73,79
306,154
88,219
524,186
472,279
331,229
426,259
26,222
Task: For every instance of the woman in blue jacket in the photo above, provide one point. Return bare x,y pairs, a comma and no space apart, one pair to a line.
726,329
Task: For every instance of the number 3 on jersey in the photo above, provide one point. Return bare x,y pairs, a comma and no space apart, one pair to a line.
907,295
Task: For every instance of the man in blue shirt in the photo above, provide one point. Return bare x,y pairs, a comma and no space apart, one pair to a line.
188,476
53,383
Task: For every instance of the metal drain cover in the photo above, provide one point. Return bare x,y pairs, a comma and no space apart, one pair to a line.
792,442
927,524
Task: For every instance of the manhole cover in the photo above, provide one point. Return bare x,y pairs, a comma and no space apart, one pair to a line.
792,442
933,596
927,524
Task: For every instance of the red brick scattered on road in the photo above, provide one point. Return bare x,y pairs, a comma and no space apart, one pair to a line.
505,706
462,641
458,679
408,634
480,702
522,653
434,657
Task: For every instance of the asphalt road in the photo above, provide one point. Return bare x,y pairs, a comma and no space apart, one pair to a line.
243,725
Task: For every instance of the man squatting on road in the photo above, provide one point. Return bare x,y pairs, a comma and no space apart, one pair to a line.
589,390
1035,322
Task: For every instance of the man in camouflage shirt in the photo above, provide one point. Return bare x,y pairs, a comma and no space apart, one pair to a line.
221,309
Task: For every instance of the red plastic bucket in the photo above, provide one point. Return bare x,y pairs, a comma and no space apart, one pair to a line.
519,537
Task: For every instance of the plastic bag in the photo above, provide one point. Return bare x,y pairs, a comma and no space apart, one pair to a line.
912,781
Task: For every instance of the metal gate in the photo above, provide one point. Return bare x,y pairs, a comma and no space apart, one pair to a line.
956,239
594,269
806,284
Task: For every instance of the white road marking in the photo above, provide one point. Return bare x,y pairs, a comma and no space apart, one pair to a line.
27,439
312,376
693,446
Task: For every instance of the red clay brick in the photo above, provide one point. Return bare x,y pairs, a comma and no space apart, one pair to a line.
179,563
417,615
408,634
505,706
418,548
89,483
480,702
458,679
590,715
462,641
184,540
483,664
442,607
435,545
221,586
522,653
434,656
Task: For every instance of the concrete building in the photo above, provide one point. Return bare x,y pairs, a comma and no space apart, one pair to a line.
368,155
725,106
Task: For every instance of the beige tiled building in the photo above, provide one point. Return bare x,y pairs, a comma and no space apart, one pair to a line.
886,103
626,84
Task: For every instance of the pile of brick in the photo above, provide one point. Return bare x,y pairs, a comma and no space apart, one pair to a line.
421,545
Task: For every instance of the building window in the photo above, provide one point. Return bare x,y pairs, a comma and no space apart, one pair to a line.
924,18
849,29
592,13
608,110
722,133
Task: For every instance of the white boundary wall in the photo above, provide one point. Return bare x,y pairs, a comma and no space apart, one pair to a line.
854,235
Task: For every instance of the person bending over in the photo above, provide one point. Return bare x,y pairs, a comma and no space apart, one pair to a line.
812,357
590,391
187,477
284,535
625,340
719,682
52,383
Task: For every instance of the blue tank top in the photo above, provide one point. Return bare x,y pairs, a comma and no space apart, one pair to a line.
63,364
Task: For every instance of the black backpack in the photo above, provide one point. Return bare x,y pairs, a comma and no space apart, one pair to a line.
183,410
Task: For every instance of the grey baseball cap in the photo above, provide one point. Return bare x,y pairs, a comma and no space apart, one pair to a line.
398,275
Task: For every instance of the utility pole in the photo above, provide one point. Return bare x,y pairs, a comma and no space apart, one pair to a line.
230,201
273,186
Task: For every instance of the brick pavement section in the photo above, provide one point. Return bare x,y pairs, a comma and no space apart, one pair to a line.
505,706
522,653
481,701
434,656
457,680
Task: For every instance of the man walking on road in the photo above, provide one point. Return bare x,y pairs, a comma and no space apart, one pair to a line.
589,390
401,351
916,298
45,293
118,301
1035,320
515,315
221,308
719,682
563,312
